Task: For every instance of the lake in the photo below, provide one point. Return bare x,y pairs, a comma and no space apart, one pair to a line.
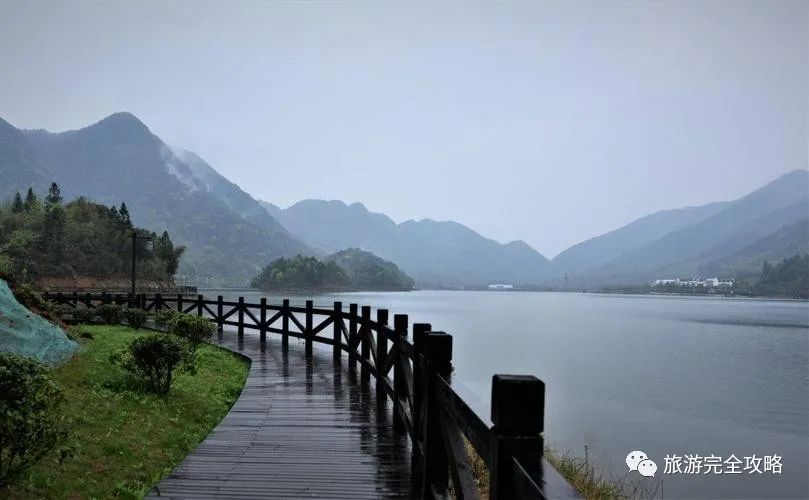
661,374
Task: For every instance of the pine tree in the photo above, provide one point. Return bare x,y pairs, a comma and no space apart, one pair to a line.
17,206
126,221
31,201
54,195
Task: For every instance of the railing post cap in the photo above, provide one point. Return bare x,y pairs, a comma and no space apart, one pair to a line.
518,404
400,321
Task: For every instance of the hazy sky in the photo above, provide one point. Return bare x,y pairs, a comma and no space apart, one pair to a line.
544,121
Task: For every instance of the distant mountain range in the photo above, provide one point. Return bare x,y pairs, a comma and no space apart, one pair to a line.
728,239
443,254
230,235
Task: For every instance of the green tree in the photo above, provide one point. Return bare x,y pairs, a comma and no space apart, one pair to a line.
17,206
126,220
54,195
31,201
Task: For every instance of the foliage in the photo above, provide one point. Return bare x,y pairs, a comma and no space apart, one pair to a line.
125,440
83,315
351,269
194,331
111,314
789,278
153,359
135,317
366,271
164,317
79,238
301,273
30,423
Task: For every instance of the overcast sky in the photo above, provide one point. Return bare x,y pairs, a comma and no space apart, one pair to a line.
549,122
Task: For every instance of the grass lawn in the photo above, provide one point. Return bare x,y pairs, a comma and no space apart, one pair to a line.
125,440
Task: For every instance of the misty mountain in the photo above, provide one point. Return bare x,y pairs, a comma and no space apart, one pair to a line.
789,240
602,249
433,253
228,234
715,241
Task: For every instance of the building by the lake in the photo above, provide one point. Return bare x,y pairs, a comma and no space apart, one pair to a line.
694,283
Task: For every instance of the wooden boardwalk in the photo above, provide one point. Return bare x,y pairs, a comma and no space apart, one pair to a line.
302,428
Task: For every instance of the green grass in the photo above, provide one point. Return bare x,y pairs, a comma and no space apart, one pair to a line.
592,484
125,440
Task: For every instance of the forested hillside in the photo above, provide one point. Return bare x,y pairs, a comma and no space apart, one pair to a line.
45,238
350,269
227,233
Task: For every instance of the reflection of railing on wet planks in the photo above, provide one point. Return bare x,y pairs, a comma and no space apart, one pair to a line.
416,376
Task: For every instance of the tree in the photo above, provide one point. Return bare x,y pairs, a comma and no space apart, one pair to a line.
54,195
17,206
31,201
126,220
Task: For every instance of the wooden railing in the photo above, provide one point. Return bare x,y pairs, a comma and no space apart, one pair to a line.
416,376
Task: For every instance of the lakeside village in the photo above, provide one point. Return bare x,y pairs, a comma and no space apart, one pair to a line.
694,283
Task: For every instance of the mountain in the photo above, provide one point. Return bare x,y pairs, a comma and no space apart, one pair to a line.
791,239
443,254
602,249
714,241
228,234
19,170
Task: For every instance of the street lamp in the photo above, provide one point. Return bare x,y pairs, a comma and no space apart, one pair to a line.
149,246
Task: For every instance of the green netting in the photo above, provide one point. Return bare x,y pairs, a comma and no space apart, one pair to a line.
27,334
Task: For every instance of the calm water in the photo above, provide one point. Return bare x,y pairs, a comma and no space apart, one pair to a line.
660,374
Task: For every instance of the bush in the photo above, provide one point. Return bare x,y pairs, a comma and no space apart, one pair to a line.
153,359
111,314
194,329
135,317
165,317
30,424
82,315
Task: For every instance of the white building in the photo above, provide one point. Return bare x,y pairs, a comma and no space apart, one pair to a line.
500,286
694,283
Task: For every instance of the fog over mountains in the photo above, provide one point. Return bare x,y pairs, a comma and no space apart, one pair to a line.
231,235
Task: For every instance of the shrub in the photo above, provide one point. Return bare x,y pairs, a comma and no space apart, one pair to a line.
165,317
153,359
194,329
30,424
135,317
111,314
82,315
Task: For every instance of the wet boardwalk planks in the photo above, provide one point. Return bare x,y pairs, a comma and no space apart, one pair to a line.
302,428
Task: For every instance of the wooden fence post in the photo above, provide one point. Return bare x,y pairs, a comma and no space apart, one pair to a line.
352,336
220,313
365,336
518,405
87,300
285,325
419,374
381,355
308,332
435,472
158,302
143,301
241,316
338,331
76,299
179,302
199,305
262,319
400,388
